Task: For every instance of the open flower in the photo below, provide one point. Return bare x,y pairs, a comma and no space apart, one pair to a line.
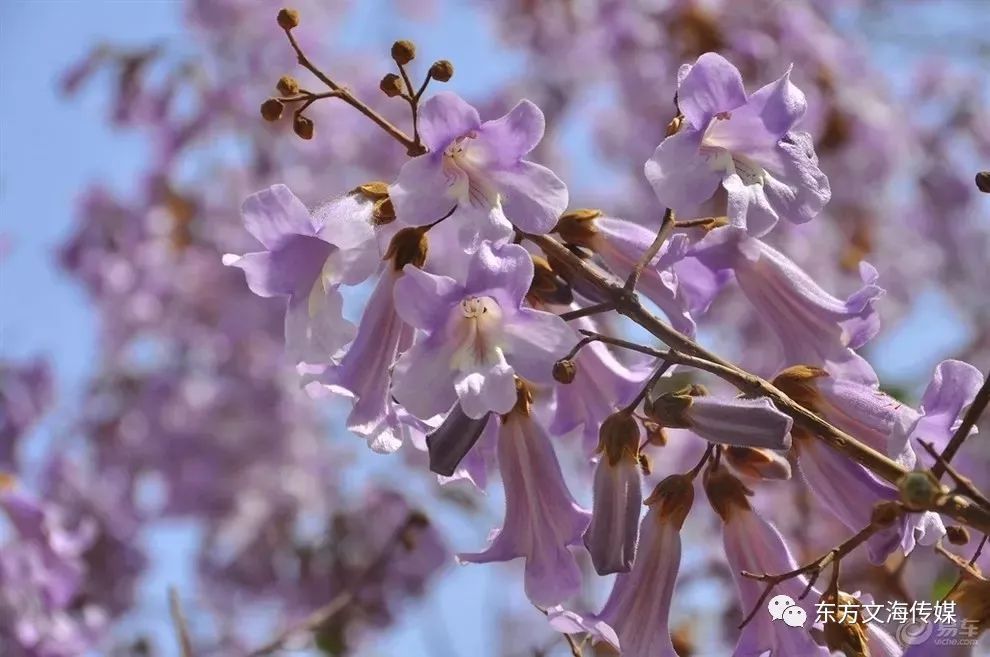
541,517
306,258
479,166
746,144
476,337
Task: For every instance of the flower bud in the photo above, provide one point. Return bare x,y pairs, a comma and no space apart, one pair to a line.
408,247
645,464
546,286
303,126
391,85
564,370
578,226
383,212
846,636
373,191
674,126
271,109
983,181
798,383
403,52
619,437
957,535
675,495
725,492
524,399
655,435
288,19
919,490
287,85
442,70
670,409
757,463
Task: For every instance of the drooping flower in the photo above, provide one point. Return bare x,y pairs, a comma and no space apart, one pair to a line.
749,145
813,327
754,545
476,336
542,520
479,166
739,421
618,495
306,257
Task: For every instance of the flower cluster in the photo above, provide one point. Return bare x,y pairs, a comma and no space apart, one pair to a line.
464,347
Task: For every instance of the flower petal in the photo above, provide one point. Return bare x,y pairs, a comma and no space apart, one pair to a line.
424,300
535,340
712,85
680,175
275,213
445,117
420,194
485,389
532,195
618,497
507,139
422,380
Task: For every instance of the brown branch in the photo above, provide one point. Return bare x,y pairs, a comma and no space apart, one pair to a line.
179,620
589,310
970,419
318,618
666,228
967,566
963,484
814,568
413,147
959,580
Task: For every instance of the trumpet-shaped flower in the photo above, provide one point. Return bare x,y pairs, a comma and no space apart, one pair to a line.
749,145
475,337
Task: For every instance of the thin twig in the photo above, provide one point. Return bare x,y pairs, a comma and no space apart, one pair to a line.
589,310
179,620
959,561
813,568
976,555
970,419
657,375
963,484
322,615
666,228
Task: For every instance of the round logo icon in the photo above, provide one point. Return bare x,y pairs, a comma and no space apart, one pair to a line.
913,633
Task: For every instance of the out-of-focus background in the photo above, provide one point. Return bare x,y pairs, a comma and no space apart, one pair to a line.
144,396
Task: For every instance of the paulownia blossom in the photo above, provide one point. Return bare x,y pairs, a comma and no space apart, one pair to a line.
754,545
749,145
306,258
479,168
542,520
475,337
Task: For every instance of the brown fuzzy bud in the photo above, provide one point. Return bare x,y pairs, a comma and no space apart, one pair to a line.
564,371
919,490
303,126
287,85
983,181
726,492
578,226
7,481
373,191
885,514
403,52
442,71
408,247
670,409
271,109
383,212
392,85
547,287
288,19
757,463
847,635
674,126
798,383
957,535
655,435
645,464
619,437
418,519
524,400
675,495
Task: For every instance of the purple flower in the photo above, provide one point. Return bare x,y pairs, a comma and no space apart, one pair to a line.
476,337
737,421
306,257
363,373
452,440
541,517
812,326
747,144
618,494
479,166
754,545
25,393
